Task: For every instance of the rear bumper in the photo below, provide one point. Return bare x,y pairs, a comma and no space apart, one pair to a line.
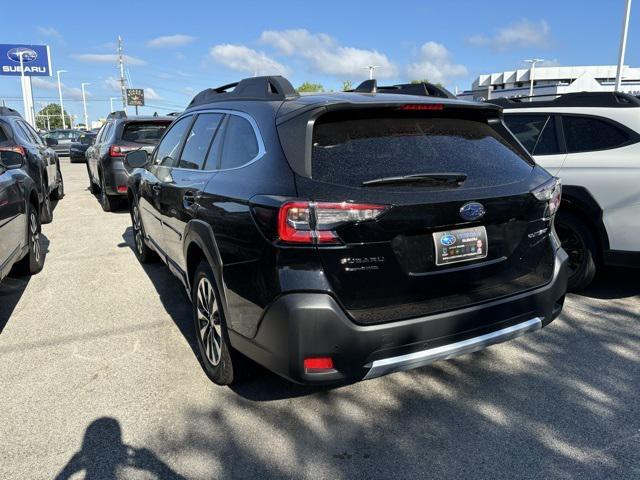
303,325
116,176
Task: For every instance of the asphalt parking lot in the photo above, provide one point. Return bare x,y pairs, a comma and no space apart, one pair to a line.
99,377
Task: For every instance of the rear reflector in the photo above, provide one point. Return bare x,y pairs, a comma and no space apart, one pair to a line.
311,222
422,106
318,364
122,189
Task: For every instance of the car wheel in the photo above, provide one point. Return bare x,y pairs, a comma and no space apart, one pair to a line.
47,210
143,252
222,364
33,262
58,193
579,243
108,202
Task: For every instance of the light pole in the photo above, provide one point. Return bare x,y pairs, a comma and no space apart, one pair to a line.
532,72
623,44
111,99
64,124
371,68
84,104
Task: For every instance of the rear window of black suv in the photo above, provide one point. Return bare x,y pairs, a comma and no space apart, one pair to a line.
352,149
144,132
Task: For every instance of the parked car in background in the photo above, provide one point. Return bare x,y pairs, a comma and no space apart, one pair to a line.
41,163
78,149
120,134
592,142
19,217
334,237
64,139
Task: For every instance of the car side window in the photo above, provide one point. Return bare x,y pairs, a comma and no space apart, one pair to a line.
585,134
22,133
106,135
240,145
198,141
168,149
526,128
34,134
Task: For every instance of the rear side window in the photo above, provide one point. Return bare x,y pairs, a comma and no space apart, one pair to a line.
240,143
536,132
353,149
144,132
585,134
3,136
197,143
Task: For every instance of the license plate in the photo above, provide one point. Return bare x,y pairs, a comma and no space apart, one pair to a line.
462,245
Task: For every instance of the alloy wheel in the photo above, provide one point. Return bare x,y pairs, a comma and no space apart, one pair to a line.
35,236
137,229
573,245
209,325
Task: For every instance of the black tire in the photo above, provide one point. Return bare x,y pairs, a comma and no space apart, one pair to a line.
109,203
58,193
33,261
143,252
231,367
579,242
46,210
93,187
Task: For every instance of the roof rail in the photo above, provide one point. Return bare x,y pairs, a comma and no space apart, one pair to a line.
574,99
423,89
117,114
6,112
274,87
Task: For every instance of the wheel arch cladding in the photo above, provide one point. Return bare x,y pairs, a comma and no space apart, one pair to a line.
579,201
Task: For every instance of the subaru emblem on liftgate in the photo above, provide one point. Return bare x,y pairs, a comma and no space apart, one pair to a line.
447,240
28,55
472,211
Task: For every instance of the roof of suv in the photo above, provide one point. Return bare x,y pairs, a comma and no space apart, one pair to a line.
574,99
122,115
279,90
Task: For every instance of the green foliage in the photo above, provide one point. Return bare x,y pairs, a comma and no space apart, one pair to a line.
55,120
347,85
426,80
310,87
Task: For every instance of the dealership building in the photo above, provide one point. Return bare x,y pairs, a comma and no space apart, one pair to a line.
552,81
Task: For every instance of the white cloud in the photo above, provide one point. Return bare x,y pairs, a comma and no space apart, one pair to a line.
70,92
522,34
50,32
112,83
245,59
177,40
436,64
107,58
150,94
326,56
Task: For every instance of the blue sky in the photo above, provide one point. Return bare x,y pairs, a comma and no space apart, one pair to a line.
175,51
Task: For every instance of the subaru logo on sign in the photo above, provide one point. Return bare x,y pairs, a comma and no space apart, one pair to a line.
27,54
447,239
472,211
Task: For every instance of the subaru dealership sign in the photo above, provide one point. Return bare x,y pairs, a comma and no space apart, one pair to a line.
36,60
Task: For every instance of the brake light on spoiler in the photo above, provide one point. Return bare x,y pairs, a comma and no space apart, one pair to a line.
423,106
306,222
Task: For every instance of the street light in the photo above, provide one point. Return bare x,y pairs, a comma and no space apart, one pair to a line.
623,45
371,68
111,99
84,104
532,72
58,72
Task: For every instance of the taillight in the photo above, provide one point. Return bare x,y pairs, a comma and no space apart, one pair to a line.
318,364
423,106
315,222
17,149
119,151
550,192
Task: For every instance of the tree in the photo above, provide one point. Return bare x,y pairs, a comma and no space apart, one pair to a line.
310,87
426,80
347,85
51,113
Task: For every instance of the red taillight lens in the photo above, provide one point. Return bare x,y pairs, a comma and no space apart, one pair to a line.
122,188
318,364
311,222
16,149
119,151
423,106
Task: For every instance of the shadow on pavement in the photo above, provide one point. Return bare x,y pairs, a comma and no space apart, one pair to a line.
12,288
611,283
104,456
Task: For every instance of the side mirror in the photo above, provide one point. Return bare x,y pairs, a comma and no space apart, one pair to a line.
50,141
136,159
11,160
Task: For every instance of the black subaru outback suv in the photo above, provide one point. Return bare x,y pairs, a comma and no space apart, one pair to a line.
343,236
120,134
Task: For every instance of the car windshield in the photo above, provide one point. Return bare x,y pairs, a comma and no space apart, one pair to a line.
144,132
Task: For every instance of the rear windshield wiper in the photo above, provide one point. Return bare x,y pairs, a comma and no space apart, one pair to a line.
451,179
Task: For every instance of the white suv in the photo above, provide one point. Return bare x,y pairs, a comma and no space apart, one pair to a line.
592,142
